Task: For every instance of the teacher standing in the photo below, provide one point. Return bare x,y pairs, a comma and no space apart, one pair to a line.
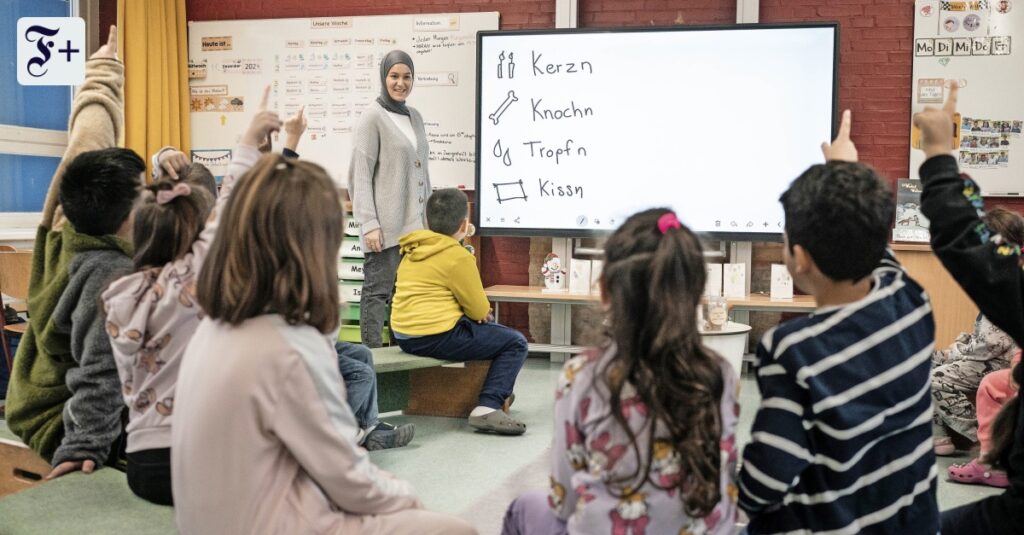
389,185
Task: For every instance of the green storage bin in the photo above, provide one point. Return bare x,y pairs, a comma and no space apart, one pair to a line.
351,226
350,269
351,333
350,248
350,291
350,312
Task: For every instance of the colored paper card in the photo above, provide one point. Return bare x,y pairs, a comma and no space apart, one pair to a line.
734,280
714,281
782,283
579,276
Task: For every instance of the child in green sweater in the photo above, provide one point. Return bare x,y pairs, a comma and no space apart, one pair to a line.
64,399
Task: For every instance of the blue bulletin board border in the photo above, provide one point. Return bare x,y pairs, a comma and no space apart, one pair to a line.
484,230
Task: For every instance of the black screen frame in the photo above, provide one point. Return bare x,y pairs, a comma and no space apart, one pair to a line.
596,233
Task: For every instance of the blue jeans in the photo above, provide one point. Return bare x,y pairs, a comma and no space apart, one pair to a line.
356,365
469,340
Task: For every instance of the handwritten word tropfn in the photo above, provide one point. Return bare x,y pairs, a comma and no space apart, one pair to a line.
538,150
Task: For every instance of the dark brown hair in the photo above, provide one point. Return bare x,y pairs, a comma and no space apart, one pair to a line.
653,283
276,251
1007,223
163,233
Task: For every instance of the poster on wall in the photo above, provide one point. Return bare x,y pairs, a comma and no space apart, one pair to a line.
972,44
330,65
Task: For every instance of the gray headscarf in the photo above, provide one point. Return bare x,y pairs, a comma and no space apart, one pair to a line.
393,58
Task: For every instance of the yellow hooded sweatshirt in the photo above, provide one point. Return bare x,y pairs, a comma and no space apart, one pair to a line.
438,283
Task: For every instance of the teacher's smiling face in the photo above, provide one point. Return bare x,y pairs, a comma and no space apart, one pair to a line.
399,82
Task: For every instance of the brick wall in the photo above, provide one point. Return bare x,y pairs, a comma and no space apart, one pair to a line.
611,13
876,42
875,69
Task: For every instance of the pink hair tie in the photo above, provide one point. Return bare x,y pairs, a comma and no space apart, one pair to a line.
165,196
668,221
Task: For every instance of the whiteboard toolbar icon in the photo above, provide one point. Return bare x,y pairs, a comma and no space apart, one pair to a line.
51,50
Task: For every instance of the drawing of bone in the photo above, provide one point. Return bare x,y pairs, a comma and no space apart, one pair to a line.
496,116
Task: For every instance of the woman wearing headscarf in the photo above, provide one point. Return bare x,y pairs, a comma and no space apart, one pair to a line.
389,185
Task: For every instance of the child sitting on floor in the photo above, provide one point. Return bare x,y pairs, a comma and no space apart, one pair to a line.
440,310
65,397
645,425
152,313
267,443
842,440
959,370
994,392
988,267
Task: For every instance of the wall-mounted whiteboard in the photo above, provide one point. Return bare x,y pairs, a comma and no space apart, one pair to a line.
331,65
975,43
580,129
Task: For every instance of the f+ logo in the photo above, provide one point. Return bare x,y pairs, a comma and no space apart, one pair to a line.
39,39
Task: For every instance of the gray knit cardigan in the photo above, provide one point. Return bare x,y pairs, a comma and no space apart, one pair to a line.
388,179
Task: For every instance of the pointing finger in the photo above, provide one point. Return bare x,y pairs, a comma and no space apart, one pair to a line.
954,91
112,37
265,101
844,126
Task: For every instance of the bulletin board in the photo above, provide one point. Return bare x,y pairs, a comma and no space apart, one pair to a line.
976,44
332,67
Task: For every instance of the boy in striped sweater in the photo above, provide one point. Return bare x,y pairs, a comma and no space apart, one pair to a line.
842,440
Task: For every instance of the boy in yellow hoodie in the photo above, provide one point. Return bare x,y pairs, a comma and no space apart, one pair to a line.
440,310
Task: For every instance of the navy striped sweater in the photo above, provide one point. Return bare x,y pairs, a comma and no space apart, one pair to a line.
842,441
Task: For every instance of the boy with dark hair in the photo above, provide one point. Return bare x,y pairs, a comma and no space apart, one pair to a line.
440,310
842,440
65,395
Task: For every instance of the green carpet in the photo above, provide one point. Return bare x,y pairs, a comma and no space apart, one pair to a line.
79,504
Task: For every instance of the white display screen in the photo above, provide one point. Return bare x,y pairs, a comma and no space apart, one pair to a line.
577,130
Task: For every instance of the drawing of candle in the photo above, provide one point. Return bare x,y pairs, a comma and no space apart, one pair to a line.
501,62
511,66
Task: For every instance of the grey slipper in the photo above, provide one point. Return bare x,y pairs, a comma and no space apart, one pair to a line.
497,422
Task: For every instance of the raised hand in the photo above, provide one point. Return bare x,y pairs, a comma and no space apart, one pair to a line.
842,148
937,124
173,162
294,127
108,50
263,123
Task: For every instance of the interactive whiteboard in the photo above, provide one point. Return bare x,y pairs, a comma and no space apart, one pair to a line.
576,130
332,66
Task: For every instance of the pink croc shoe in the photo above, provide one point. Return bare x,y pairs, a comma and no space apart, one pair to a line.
975,473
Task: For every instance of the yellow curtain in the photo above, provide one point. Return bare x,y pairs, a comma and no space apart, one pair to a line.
153,43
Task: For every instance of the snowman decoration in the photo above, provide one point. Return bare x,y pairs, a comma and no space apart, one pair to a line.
554,275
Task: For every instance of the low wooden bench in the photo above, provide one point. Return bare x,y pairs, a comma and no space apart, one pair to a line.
426,386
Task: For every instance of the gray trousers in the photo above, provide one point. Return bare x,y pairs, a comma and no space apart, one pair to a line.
379,270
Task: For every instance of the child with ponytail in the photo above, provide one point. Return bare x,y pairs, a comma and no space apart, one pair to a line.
152,313
645,424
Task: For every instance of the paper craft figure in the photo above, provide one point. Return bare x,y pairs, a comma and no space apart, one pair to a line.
554,275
